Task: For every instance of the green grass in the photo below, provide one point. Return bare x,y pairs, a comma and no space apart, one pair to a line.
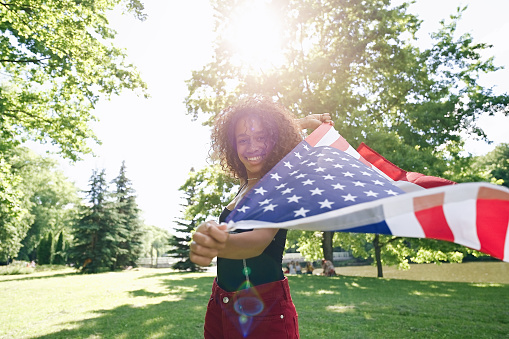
160,303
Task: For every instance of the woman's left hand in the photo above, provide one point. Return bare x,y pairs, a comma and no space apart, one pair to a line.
208,240
312,121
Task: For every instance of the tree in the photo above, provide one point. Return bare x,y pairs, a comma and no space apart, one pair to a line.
357,61
206,192
45,250
184,228
49,197
57,62
14,215
154,242
59,255
214,189
95,233
495,164
130,246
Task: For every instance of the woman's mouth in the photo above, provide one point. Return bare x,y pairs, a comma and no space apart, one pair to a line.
256,158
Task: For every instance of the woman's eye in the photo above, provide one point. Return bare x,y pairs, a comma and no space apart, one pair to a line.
242,141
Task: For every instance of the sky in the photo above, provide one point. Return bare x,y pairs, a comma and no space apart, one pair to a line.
158,141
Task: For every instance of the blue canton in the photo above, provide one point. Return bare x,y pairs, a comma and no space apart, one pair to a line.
310,181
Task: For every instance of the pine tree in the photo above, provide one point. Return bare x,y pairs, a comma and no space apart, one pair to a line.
184,227
96,236
59,257
44,250
130,230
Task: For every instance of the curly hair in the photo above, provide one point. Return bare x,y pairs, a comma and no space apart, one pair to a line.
278,122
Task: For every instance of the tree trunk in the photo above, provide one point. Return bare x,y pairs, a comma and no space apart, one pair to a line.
327,245
378,249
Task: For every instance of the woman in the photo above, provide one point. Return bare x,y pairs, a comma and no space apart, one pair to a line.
250,295
309,268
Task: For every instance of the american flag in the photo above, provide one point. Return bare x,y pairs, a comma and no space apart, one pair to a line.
326,185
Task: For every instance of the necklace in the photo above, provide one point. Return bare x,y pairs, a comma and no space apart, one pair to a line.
249,179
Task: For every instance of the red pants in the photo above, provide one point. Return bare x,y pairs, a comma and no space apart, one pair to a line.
264,311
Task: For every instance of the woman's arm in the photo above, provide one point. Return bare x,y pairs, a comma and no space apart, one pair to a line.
212,240
312,121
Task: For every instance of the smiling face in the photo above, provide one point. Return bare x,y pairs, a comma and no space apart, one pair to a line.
253,145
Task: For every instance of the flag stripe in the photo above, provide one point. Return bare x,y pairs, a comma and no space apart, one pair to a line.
325,135
492,226
434,223
314,138
461,213
506,246
341,144
401,219
429,212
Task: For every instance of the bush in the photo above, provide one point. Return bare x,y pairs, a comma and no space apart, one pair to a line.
17,267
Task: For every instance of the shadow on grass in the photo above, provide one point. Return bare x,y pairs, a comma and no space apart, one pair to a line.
31,277
351,307
359,307
166,274
180,314
145,293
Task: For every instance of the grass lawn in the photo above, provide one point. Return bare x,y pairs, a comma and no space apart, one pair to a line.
161,303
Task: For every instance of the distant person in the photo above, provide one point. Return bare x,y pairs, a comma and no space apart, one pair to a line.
309,268
328,268
291,268
298,269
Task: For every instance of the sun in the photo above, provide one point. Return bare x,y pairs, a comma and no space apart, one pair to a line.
255,36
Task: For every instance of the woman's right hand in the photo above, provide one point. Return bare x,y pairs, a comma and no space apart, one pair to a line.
313,121
208,240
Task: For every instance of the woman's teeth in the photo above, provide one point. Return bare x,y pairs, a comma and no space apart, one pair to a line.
254,158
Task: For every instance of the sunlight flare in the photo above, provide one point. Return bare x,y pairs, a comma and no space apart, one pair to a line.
255,36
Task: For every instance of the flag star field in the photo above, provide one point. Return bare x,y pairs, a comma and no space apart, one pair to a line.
316,180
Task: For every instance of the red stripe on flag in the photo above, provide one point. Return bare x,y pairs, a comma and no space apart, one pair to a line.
342,145
492,220
318,134
430,214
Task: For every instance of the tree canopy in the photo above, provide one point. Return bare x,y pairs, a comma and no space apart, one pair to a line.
56,62
357,60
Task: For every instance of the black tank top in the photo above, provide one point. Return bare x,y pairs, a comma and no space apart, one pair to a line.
262,269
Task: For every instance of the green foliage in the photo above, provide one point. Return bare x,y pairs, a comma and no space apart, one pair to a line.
96,231
130,246
45,250
16,268
59,257
213,190
206,193
108,232
57,61
180,247
14,214
47,194
495,164
359,62
309,243
154,242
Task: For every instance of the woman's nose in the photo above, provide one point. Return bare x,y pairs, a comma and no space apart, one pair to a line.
255,146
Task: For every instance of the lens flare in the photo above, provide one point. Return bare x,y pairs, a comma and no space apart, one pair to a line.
248,304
